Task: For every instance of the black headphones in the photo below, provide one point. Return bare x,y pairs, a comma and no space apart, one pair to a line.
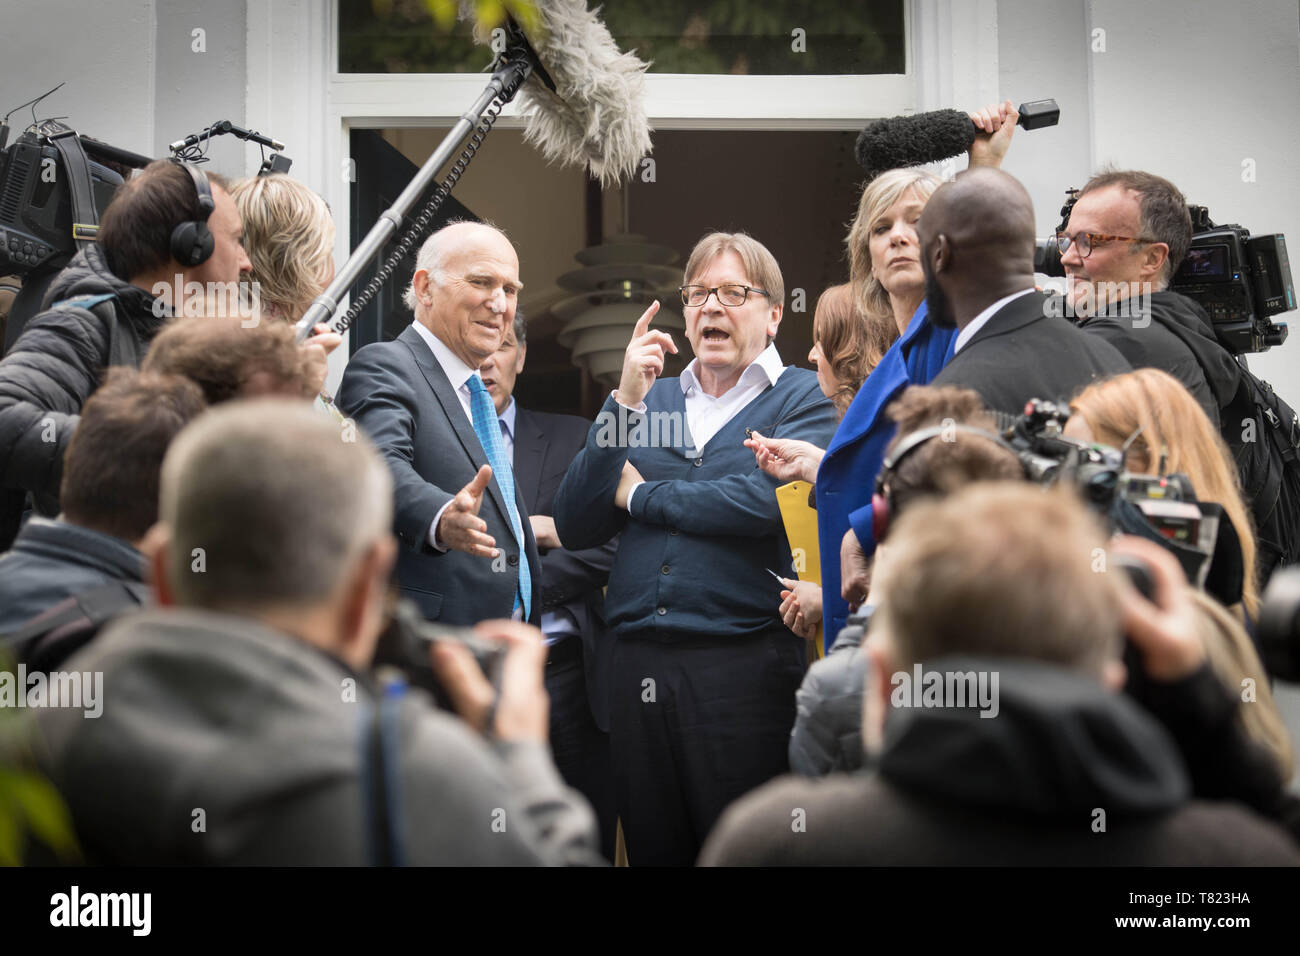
192,242
882,504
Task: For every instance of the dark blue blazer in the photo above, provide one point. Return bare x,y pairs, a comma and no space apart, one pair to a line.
545,446
848,472
401,398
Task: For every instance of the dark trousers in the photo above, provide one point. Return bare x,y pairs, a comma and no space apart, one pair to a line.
580,748
696,723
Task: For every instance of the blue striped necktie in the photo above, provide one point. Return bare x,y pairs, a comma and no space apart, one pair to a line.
488,428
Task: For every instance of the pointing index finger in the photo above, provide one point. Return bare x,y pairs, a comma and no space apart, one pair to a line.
643,323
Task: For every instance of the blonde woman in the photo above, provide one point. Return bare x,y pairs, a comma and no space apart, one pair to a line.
1173,434
904,348
289,238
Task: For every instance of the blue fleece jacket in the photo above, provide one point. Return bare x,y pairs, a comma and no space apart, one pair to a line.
705,526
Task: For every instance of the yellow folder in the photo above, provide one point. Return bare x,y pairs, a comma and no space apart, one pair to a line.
800,522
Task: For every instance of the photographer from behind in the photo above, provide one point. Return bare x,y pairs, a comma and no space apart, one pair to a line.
271,593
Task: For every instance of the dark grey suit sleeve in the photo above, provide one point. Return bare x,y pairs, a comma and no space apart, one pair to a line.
379,395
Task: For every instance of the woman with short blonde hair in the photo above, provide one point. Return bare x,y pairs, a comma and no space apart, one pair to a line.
289,238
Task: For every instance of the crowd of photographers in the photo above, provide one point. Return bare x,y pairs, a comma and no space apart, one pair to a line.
1034,639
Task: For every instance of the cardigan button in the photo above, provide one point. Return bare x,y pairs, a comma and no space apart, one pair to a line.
672,530
661,610
698,462
665,569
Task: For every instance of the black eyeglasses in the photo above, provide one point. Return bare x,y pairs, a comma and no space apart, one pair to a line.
732,294
1086,240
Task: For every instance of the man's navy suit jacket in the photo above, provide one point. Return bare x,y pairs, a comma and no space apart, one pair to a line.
398,394
545,446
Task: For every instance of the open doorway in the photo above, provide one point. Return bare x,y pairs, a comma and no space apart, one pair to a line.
794,190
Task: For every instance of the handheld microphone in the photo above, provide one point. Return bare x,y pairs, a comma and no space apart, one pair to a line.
933,137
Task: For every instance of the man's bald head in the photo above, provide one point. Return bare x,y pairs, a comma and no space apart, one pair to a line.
977,244
982,205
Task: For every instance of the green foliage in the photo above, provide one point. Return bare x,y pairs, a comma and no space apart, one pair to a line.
678,36
28,802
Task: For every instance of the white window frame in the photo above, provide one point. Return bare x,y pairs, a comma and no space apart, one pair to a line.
296,94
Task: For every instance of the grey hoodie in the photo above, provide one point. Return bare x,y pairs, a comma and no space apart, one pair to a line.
224,742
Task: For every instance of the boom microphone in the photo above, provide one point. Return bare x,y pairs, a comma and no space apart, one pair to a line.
933,137
591,112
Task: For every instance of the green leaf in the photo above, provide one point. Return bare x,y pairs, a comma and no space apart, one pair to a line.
45,812
11,834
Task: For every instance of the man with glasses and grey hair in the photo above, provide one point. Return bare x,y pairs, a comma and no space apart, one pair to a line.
241,724
704,671
1128,232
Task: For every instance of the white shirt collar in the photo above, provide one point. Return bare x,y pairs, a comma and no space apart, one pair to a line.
766,367
508,416
977,323
457,372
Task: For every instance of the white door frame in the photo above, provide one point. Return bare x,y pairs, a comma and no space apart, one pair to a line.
296,94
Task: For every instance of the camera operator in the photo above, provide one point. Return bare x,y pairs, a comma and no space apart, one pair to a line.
976,590
271,563
1128,231
60,356
977,252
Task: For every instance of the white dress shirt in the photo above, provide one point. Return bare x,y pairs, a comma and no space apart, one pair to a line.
977,323
706,415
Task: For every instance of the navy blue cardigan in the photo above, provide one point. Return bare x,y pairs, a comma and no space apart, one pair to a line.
705,525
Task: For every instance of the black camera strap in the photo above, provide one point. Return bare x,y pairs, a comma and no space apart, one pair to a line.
381,778
85,217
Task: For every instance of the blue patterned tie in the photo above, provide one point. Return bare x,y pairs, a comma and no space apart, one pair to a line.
487,427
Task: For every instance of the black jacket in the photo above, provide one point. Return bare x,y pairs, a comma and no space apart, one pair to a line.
1026,350
53,560
1067,773
1177,338
57,362
545,446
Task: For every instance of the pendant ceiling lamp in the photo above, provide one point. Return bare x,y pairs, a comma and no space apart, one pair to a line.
618,281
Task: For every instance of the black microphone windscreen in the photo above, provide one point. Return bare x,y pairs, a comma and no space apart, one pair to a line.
913,140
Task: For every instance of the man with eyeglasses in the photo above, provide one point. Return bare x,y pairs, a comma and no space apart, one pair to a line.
705,671
1127,234
977,252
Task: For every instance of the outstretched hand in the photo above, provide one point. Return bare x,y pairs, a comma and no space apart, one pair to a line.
460,527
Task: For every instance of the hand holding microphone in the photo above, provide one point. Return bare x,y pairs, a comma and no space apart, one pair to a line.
941,134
